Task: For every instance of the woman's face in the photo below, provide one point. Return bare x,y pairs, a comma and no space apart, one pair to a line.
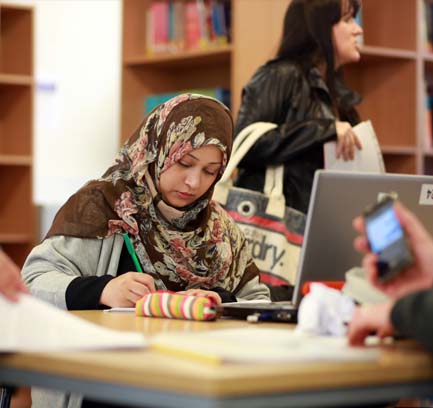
345,35
189,178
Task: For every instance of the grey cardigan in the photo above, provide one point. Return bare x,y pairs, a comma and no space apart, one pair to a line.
52,265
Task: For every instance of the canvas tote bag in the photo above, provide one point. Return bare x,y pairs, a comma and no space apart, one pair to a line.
274,231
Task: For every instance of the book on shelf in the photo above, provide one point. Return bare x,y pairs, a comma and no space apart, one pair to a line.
427,24
157,20
368,159
151,101
175,25
428,139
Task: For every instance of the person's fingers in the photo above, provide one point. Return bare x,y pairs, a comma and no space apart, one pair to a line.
339,148
350,146
214,296
360,243
22,287
139,289
369,263
10,293
358,224
358,329
414,229
204,293
130,300
347,144
134,297
357,334
144,279
357,141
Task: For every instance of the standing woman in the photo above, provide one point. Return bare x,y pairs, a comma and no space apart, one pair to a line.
301,90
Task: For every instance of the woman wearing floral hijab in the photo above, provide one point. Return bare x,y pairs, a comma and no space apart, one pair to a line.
158,192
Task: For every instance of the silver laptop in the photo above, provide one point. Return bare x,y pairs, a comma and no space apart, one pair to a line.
338,197
327,250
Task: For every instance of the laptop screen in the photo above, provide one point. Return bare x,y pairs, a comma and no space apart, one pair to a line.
338,197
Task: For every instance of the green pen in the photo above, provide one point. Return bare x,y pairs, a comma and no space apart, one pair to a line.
132,252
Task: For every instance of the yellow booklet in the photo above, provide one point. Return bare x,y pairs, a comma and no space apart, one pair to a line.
258,345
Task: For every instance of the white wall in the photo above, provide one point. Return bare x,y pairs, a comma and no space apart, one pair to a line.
77,67
77,46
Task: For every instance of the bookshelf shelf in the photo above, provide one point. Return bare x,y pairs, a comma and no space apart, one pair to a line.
15,238
15,160
370,52
427,56
147,75
17,212
388,149
211,55
9,79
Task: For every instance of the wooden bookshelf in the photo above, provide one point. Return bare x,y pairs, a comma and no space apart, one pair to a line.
145,74
390,75
386,78
17,212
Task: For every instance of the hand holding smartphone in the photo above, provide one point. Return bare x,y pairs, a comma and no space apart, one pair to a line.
387,239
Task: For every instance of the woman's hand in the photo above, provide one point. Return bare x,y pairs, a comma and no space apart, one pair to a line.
204,293
347,140
126,289
417,277
10,278
368,319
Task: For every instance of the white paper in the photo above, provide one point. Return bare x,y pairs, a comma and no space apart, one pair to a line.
34,325
325,311
121,309
369,159
253,345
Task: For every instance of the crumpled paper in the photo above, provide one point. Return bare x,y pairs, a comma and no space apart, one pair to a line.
325,311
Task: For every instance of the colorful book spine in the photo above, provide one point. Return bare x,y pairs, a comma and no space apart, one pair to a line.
174,25
428,140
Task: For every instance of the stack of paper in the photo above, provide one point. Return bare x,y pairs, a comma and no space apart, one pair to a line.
34,325
258,345
369,159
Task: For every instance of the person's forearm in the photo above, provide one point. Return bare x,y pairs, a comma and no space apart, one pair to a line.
412,316
85,293
286,142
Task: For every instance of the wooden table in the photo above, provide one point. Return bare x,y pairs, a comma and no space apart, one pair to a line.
147,377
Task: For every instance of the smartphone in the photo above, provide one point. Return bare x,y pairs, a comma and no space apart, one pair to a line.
387,239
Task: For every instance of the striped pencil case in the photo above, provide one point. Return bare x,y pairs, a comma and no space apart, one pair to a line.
176,306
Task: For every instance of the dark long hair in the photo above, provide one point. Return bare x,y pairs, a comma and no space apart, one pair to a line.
307,35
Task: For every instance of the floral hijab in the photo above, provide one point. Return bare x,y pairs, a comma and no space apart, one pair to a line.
198,246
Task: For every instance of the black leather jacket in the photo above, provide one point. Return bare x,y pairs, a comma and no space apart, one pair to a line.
300,104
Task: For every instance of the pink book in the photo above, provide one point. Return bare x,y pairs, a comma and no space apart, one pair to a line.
192,25
160,12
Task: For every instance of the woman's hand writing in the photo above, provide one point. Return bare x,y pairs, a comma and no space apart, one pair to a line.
126,289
